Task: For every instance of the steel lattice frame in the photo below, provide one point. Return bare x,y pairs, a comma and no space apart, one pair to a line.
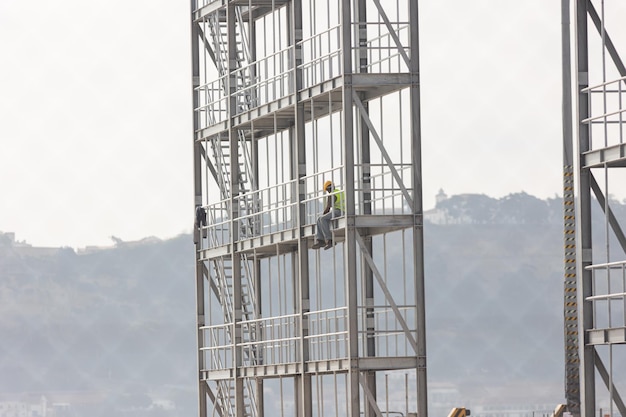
594,82
288,94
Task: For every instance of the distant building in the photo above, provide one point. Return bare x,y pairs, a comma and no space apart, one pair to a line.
526,409
441,196
443,397
25,409
7,240
14,409
451,211
437,215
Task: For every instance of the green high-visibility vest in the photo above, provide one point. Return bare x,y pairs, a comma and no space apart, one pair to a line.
339,202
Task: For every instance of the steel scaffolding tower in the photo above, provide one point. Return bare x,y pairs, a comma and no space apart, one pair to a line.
287,95
594,101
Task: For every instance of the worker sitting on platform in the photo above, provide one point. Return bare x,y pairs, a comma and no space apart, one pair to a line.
335,206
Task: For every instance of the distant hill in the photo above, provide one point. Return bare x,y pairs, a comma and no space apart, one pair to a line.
516,208
494,306
104,330
112,330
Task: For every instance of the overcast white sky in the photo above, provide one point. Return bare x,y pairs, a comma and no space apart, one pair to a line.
95,112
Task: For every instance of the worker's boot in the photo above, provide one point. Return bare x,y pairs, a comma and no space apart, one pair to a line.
318,244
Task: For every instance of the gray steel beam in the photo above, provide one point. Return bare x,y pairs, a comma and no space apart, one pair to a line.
350,251
607,39
619,234
392,303
392,32
233,193
587,158
613,335
211,396
200,149
199,264
369,378
260,8
304,403
604,374
570,305
371,398
207,45
583,219
260,399
611,156
418,212
383,151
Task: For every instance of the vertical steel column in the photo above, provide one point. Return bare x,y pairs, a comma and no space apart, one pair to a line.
350,255
583,219
236,332
254,153
366,204
197,169
304,406
260,403
570,305
418,228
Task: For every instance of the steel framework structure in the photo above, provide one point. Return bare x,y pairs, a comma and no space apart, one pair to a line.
594,87
288,94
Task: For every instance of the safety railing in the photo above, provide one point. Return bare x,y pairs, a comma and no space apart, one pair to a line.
276,340
274,209
272,79
328,331
607,104
212,103
268,210
382,53
217,230
199,4
390,337
328,334
270,341
385,195
608,294
216,344
321,56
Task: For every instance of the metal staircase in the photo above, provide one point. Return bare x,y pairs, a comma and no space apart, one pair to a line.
244,79
218,31
222,268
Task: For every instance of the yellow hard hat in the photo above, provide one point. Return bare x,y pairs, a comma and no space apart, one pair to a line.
326,184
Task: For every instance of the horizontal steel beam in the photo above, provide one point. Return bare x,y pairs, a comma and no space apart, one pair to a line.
315,367
606,336
319,101
612,156
287,240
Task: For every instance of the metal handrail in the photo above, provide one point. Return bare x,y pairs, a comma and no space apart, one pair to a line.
593,87
611,265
